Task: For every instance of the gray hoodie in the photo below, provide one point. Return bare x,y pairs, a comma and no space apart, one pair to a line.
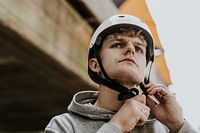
84,117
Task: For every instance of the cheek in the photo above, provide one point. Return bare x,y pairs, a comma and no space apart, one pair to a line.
109,63
142,64
108,57
105,59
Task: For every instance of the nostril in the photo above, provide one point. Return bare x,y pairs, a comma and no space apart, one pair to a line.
130,50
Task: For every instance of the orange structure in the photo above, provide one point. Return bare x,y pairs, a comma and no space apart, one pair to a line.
139,9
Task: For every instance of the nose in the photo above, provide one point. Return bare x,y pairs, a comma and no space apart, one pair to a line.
130,49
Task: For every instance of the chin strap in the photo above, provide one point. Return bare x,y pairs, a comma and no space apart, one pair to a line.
129,94
124,93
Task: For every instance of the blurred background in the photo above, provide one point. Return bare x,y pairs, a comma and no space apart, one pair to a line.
43,55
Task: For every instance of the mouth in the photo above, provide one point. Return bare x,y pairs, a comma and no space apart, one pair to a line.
128,60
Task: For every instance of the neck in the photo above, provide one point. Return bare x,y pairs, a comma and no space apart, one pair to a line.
108,99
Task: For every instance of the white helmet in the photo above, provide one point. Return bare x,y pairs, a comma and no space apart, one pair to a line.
120,19
115,24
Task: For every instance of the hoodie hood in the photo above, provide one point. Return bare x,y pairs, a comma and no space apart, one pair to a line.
82,104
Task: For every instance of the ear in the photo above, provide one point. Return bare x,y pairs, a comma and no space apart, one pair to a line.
94,65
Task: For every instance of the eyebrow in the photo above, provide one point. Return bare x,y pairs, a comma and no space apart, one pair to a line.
121,39
115,39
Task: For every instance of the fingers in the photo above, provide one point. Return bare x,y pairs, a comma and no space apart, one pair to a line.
142,110
137,103
144,113
134,112
160,92
157,94
139,98
157,89
145,110
156,86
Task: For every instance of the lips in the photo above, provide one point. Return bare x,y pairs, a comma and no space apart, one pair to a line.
129,60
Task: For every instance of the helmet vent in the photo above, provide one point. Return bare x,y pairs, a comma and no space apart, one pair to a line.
98,41
121,16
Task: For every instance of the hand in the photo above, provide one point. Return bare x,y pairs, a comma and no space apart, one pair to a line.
168,110
133,112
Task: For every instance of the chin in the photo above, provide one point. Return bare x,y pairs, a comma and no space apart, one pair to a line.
127,76
131,82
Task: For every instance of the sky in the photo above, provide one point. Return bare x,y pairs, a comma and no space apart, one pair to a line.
178,27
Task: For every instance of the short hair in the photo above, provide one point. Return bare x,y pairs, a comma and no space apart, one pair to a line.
130,33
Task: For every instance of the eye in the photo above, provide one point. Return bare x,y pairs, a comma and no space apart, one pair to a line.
117,45
138,49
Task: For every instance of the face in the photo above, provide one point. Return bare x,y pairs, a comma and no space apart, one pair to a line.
124,58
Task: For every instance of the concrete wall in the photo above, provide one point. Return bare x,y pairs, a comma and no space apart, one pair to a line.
101,9
52,26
